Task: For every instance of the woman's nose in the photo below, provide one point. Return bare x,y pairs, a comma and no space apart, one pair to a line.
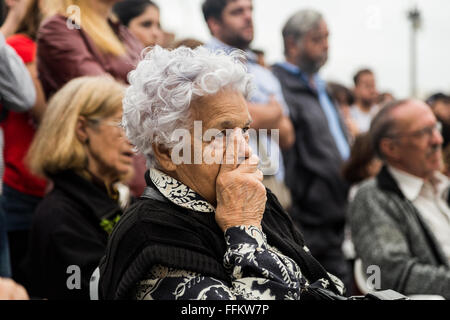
244,146
158,34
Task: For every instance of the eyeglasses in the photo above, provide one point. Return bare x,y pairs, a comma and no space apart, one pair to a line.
425,132
112,123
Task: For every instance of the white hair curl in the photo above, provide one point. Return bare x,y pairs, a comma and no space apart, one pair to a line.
165,83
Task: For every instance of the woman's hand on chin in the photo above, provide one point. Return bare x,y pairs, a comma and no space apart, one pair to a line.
241,196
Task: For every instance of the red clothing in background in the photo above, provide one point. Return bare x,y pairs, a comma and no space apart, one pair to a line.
18,130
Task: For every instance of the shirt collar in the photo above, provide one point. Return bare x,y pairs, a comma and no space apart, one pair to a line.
292,68
215,44
442,183
178,193
409,184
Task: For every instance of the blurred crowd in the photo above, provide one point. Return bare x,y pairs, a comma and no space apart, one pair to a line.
363,175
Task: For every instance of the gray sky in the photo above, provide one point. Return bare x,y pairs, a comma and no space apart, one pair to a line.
363,33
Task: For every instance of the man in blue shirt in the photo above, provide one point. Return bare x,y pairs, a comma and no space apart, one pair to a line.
319,193
231,25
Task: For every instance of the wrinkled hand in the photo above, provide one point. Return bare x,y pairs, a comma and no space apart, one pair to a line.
10,290
241,196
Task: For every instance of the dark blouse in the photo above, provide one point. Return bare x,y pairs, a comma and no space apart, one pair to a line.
256,269
68,237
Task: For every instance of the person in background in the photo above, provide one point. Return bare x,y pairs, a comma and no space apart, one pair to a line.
84,42
91,43
313,165
384,98
81,147
231,25
446,159
362,165
344,99
22,191
17,93
366,96
400,220
142,19
261,57
440,105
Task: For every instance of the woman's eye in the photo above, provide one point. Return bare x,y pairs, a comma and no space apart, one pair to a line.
146,24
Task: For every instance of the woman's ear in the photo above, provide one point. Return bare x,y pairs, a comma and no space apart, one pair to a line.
164,157
81,130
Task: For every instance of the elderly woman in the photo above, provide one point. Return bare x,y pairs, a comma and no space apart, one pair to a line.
206,227
80,147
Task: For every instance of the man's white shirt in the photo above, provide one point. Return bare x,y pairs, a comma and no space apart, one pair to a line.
430,199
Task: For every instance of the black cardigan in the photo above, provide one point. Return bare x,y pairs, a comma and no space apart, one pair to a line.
66,231
155,231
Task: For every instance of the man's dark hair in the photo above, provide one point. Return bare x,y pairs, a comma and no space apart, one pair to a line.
214,8
437,97
129,9
340,93
359,74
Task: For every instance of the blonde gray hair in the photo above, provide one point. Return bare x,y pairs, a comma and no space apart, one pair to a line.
55,146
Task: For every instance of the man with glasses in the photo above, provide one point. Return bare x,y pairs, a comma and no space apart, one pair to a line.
400,220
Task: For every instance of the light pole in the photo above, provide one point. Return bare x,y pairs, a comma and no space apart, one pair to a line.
415,18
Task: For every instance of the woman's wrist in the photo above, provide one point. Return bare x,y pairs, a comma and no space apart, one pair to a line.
235,218
247,234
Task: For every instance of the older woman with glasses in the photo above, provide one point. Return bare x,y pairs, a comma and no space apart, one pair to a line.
206,227
81,147
83,38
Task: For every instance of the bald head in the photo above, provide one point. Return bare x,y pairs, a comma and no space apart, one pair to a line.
405,135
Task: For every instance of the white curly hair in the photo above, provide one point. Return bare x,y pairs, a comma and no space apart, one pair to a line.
164,85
